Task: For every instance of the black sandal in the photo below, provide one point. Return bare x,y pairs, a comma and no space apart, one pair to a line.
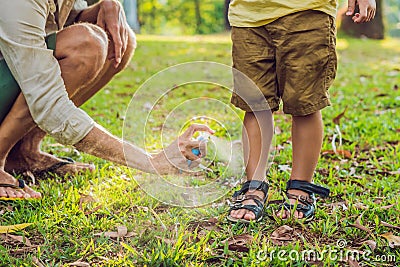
53,169
306,205
239,196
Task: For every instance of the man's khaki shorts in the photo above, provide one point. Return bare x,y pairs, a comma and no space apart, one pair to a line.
292,58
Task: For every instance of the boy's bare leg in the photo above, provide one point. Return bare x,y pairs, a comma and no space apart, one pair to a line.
307,137
26,154
257,138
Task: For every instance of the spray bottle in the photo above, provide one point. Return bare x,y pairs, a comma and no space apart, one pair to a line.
196,151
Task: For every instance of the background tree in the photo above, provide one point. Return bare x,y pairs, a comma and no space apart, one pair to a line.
226,9
131,10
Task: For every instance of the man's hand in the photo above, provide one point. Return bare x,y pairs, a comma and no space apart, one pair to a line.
111,18
367,10
174,158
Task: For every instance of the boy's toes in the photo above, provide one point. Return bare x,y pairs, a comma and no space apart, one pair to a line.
249,216
298,215
282,214
238,214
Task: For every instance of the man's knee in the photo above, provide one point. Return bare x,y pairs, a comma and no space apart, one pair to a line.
86,44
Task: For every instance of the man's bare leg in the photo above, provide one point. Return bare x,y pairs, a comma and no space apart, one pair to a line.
257,138
307,137
81,61
26,154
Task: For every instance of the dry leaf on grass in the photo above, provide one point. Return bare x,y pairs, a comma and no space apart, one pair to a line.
371,244
336,120
37,262
378,200
344,153
398,171
79,264
239,243
353,262
394,241
85,199
360,206
390,225
210,224
23,250
388,207
21,239
358,225
122,231
93,210
12,228
282,235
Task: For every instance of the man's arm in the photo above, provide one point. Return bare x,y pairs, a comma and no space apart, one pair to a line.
171,160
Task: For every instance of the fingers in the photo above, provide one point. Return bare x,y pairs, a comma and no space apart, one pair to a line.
186,149
112,19
367,11
371,13
362,16
100,20
351,7
117,41
124,38
196,128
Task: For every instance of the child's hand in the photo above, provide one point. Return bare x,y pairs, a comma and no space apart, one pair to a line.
367,10
174,158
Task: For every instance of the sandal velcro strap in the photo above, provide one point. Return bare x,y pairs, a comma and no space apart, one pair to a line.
301,198
239,204
252,186
307,210
307,187
242,198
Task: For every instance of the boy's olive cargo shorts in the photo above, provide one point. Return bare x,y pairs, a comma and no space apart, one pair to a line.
293,59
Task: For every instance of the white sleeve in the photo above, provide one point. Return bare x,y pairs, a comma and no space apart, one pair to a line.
22,43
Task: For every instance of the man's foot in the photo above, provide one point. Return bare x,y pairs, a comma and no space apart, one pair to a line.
40,163
248,202
11,192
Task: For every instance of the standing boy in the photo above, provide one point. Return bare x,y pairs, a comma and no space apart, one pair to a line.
288,49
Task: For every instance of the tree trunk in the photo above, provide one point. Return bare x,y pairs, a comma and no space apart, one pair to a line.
131,10
227,25
198,15
152,23
373,29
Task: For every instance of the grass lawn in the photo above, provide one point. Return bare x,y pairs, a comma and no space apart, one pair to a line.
72,223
